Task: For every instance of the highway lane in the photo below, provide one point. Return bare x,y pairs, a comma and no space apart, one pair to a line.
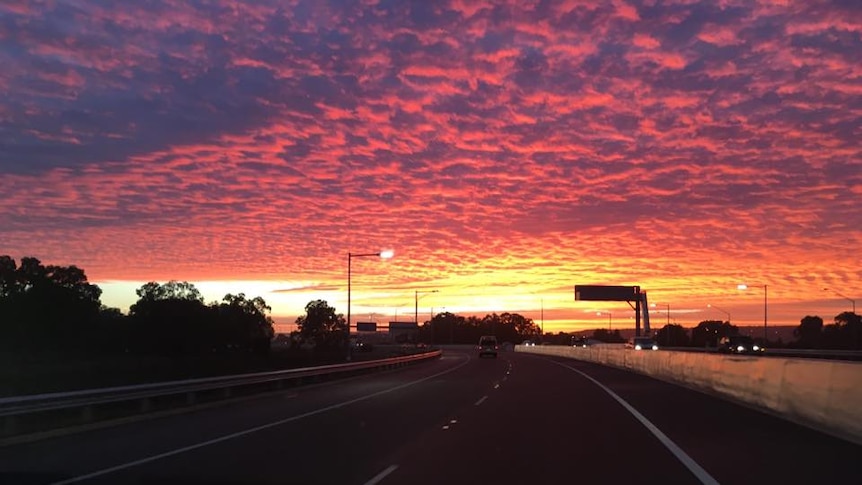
516,419
552,424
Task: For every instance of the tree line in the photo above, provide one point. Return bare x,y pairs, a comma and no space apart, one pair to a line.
845,333
325,328
55,309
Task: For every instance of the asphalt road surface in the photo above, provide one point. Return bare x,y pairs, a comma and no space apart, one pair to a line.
460,419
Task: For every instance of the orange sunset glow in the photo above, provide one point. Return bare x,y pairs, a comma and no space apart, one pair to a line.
505,150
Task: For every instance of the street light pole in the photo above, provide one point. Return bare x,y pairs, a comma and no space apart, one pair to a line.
610,319
765,339
851,300
382,254
542,317
745,287
416,303
719,309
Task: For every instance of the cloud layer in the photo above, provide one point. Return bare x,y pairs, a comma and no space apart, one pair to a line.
502,148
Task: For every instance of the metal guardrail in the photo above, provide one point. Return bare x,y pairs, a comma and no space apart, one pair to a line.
14,408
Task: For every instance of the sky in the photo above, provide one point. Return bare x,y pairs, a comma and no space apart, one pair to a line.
505,150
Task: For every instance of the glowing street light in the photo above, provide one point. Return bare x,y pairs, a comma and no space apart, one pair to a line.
709,305
610,318
745,287
851,300
385,254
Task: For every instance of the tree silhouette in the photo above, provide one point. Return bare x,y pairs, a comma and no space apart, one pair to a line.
172,290
672,335
708,332
447,327
243,324
322,326
50,307
845,333
809,333
169,319
603,335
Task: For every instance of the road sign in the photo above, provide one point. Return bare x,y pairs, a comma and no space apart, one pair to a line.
606,293
366,326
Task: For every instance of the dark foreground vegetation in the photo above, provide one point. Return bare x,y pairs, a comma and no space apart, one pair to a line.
56,335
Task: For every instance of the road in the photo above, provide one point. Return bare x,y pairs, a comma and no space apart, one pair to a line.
460,419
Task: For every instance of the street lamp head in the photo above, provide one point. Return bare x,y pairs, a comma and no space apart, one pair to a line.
387,254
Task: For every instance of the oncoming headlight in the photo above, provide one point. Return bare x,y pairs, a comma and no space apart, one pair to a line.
756,348
655,347
740,348
637,347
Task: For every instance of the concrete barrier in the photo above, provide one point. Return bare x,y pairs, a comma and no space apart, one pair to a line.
822,394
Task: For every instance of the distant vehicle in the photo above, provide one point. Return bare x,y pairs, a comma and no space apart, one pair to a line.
359,346
528,343
739,344
642,343
580,342
487,346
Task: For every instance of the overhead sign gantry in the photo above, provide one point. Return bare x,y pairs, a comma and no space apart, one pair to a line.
627,294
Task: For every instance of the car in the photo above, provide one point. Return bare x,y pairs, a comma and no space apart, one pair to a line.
580,342
739,344
358,345
642,343
487,346
528,343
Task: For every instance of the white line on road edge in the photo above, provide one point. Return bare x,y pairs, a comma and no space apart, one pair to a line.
480,401
681,455
238,434
380,476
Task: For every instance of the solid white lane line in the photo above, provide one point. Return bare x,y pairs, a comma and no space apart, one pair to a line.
380,476
681,455
244,432
480,401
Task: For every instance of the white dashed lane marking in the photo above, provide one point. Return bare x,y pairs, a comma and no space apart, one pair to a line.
380,476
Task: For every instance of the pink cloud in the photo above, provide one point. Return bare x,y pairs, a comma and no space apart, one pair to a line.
498,149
